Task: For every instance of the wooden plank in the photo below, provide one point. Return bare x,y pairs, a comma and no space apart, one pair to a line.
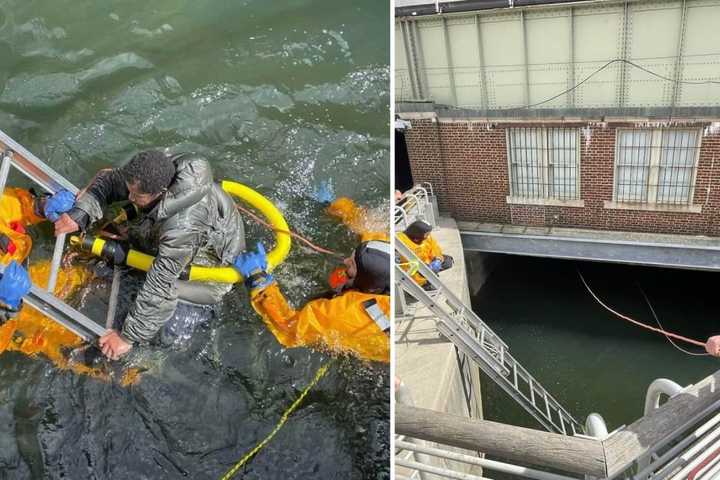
624,447
569,454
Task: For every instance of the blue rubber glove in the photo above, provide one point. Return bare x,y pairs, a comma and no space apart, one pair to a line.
436,265
14,285
63,201
253,267
324,193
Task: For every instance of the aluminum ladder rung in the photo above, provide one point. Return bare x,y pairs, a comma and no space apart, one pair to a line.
459,324
15,155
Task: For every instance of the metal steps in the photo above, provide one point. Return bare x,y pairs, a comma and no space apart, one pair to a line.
459,324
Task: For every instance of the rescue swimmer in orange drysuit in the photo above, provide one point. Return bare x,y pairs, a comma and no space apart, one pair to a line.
417,238
25,329
355,319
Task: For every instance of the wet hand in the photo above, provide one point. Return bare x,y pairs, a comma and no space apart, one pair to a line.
58,204
251,263
712,346
436,265
113,345
324,193
14,285
65,224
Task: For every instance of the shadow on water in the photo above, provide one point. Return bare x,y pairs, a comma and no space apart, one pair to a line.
589,359
278,95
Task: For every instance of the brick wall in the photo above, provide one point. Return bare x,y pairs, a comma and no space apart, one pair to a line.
467,164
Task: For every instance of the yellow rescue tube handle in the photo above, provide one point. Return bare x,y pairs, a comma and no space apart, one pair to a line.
282,236
277,255
282,230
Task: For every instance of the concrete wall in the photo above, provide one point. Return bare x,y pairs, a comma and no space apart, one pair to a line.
435,374
466,161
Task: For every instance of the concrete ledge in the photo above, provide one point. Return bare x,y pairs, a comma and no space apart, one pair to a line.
544,201
652,207
672,251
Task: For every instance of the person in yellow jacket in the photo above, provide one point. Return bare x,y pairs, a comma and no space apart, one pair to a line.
417,238
25,329
356,320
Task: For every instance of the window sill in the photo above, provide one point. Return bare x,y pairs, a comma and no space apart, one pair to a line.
652,207
545,201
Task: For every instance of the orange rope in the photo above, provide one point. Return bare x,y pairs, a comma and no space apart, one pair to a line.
640,324
292,234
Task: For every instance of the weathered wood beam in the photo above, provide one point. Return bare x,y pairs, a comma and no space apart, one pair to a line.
624,447
569,454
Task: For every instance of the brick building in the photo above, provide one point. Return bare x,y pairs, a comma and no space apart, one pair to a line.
642,176
589,115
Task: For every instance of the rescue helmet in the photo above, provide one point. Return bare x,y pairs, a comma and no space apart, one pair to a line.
372,260
418,230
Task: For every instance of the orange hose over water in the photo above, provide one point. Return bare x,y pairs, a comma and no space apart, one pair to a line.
291,233
640,324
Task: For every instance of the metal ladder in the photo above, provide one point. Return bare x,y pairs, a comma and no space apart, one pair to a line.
12,154
459,324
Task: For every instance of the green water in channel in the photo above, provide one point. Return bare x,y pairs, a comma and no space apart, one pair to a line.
279,95
588,359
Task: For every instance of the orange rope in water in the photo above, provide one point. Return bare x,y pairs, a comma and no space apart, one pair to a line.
640,324
292,234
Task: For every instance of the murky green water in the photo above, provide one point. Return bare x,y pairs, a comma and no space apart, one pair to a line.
279,95
590,360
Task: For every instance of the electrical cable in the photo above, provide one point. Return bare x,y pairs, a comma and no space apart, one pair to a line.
622,60
635,322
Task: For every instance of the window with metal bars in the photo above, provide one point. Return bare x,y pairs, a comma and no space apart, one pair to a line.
656,166
544,163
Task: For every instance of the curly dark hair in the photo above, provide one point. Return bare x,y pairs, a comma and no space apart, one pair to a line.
152,171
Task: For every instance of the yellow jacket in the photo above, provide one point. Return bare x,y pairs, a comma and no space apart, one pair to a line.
360,220
426,251
339,324
16,213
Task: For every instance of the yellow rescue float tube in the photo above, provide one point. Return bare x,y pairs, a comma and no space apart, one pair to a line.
197,273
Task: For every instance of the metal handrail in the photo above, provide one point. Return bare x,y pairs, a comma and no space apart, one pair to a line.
415,204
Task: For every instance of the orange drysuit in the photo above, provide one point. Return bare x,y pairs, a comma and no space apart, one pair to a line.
368,224
426,251
340,324
30,332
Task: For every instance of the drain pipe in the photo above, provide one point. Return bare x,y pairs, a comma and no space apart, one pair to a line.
659,387
402,395
595,426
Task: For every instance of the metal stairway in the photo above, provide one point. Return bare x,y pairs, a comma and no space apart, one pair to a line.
12,154
459,324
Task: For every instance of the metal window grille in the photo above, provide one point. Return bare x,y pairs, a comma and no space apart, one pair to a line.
544,163
656,165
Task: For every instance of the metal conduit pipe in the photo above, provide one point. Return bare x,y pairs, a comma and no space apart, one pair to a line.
595,426
403,395
524,472
442,472
469,6
660,386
